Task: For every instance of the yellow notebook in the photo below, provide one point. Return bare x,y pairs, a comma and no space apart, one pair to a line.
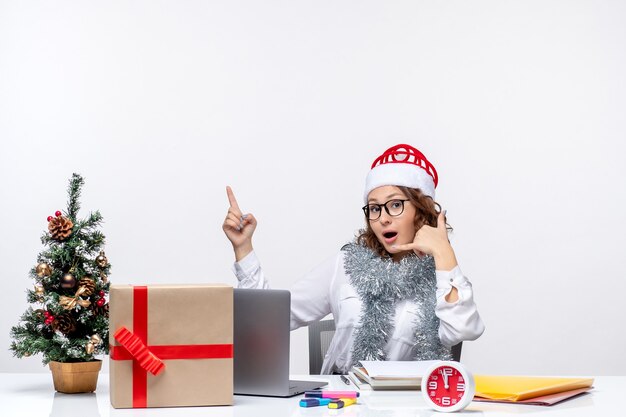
517,388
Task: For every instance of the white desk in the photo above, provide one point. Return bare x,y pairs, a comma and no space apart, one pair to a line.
33,395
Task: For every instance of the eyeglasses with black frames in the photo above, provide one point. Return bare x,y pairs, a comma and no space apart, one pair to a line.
392,207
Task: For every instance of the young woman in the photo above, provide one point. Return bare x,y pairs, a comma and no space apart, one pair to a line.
396,292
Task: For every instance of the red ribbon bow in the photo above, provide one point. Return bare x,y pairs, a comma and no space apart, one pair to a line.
140,352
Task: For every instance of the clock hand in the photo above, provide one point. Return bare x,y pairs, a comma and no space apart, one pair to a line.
445,379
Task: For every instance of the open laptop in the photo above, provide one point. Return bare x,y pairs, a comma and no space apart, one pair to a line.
261,344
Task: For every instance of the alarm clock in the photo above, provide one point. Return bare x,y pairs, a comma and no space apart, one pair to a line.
447,386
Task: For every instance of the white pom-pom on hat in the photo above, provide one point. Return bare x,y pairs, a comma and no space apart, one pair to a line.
402,165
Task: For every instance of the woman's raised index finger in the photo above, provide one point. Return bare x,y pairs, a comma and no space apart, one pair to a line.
231,197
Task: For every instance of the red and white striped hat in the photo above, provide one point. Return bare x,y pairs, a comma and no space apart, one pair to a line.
405,166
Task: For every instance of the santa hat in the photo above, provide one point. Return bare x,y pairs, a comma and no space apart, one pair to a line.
402,165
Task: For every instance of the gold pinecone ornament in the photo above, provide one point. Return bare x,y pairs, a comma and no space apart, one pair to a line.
89,284
60,227
64,323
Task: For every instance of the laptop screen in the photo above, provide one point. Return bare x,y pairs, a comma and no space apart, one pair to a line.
261,341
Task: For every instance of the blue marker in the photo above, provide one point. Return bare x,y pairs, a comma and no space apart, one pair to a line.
314,402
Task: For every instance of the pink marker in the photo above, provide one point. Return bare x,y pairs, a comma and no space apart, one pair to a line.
331,394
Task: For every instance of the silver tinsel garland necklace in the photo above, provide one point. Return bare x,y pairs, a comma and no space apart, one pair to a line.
381,283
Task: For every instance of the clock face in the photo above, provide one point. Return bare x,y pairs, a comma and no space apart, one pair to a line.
448,387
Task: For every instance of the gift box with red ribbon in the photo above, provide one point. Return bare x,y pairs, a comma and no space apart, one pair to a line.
171,345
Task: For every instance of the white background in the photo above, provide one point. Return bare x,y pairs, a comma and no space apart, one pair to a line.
161,104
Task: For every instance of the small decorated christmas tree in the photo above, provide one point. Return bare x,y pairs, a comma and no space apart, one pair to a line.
71,318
